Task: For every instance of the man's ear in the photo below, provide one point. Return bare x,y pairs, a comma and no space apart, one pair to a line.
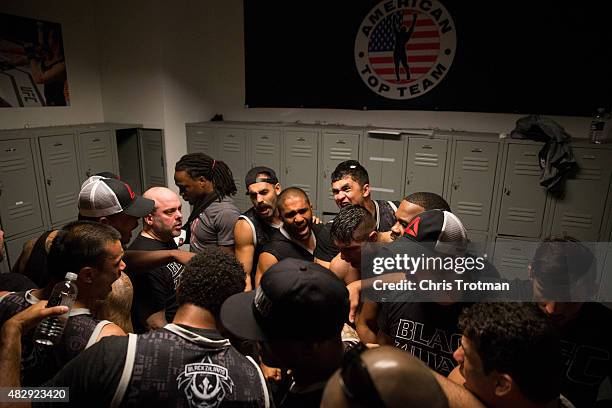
365,190
104,220
86,275
277,188
148,219
503,384
373,236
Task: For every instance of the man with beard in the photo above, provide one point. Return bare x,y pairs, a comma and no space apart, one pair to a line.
351,185
298,237
155,291
256,226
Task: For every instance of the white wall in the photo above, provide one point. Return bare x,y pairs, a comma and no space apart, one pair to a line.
77,20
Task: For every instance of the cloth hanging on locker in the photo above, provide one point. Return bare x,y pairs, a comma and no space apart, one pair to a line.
556,158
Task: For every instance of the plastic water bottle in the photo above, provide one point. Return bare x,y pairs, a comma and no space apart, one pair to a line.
598,126
50,330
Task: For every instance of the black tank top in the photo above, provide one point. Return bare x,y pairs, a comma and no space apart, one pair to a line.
177,367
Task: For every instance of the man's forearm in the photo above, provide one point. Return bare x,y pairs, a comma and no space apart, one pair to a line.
10,356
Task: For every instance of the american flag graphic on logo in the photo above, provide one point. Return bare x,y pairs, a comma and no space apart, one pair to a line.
422,48
404,49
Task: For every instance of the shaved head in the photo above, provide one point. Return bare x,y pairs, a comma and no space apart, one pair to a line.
166,219
400,379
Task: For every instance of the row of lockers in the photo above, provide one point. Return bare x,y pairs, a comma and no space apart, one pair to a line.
492,184
478,175
41,172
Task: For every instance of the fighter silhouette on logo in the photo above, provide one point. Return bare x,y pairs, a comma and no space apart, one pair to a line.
402,36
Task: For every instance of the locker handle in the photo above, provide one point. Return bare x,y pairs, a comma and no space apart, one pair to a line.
477,150
529,154
88,173
58,144
340,141
301,139
10,149
426,147
589,157
49,181
97,139
230,135
507,191
265,137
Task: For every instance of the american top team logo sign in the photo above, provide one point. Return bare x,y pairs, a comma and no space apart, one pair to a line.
404,48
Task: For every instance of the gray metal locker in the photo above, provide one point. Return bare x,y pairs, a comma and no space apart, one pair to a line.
96,154
512,257
579,213
426,165
473,181
300,161
20,208
15,246
61,177
383,156
201,139
153,164
478,242
232,144
523,199
266,148
337,147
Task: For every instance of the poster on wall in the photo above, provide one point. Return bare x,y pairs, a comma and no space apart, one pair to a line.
545,57
32,63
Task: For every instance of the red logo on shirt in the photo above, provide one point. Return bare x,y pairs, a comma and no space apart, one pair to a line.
413,227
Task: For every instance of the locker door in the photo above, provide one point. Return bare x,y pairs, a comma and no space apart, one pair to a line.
473,178
384,156
96,153
301,170
337,147
372,160
15,246
201,140
426,165
579,213
153,159
393,156
523,199
266,148
512,257
61,177
20,209
233,151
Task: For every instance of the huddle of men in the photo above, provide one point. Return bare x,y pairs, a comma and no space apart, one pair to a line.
277,277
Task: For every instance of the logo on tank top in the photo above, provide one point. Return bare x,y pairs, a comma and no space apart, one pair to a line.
205,384
404,48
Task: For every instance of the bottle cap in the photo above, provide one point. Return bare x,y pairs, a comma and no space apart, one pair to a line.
71,276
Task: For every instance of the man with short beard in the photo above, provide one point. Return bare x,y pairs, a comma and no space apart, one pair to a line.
298,237
256,226
155,291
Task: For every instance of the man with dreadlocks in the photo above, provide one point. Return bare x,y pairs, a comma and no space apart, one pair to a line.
207,185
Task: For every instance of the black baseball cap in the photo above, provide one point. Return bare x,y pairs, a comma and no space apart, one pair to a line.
251,176
100,197
442,228
296,301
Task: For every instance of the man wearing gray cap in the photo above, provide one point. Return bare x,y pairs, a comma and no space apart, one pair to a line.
256,226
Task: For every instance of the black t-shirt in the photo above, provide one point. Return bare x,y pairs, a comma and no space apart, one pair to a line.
310,399
428,331
587,354
154,290
282,248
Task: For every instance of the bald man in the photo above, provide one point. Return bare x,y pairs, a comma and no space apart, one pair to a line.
387,377
155,292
